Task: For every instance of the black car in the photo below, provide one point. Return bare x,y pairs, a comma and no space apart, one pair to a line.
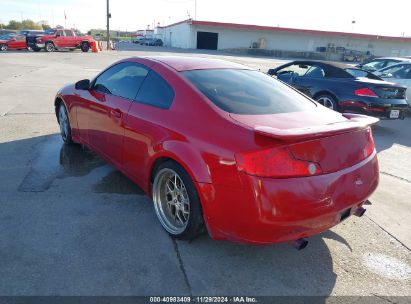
345,88
152,42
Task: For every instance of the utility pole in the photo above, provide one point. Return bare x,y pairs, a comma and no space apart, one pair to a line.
108,25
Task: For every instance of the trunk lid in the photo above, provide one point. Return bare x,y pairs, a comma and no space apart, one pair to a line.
334,141
384,89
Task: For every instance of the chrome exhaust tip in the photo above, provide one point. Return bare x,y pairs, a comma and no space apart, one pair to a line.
359,212
300,244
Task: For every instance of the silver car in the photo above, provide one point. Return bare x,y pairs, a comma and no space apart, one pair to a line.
399,73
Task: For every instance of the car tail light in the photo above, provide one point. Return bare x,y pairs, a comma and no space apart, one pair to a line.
369,148
275,162
365,92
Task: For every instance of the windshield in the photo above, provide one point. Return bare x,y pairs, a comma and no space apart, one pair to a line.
5,37
49,32
247,92
373,65
357,72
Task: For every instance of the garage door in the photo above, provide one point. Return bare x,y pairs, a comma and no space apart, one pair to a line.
207,40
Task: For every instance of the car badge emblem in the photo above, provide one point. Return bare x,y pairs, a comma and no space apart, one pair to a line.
358,182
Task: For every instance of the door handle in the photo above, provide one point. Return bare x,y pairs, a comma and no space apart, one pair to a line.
116,113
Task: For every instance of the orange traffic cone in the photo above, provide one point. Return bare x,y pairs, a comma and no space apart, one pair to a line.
94,47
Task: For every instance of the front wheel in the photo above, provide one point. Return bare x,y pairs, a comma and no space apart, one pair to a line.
64,122
50,47
85,47
176,202
327,101
3,47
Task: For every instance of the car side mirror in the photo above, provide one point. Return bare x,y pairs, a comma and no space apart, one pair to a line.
271,72
82,84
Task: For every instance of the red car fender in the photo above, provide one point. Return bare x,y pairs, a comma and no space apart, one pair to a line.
184,154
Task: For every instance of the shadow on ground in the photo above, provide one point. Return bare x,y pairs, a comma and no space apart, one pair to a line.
76,226
389,132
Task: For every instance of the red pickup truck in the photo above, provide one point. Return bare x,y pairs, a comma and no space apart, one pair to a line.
55,39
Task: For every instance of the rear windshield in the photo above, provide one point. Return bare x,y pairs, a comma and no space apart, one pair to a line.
247,92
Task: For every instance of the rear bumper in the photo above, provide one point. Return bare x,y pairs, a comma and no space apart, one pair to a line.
269,210
378,108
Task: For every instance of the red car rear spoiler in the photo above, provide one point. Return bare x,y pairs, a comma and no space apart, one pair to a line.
354,122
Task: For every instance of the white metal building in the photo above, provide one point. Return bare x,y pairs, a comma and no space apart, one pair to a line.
193,34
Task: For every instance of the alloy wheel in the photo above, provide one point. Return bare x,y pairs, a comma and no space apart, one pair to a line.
50,47
64,122
326,102
171,201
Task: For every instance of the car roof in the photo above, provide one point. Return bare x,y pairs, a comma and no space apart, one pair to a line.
185,63
392,58
332,69
323,63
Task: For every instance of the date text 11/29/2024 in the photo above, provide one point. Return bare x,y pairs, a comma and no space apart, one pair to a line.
204,299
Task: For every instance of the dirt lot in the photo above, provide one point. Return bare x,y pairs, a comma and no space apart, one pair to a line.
72,225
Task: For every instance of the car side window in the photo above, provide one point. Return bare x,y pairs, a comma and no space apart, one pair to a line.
390,63
60,33
315,72
155,91
123,80
294,70
374,65
68,33
398,71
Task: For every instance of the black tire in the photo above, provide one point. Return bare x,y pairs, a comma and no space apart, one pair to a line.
49,47
195,223
3,47
85,46
64,123
328,101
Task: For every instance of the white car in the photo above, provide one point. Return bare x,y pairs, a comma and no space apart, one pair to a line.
399,73
381,63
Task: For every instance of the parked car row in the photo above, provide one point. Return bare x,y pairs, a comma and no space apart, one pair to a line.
49,40
344,88
148,41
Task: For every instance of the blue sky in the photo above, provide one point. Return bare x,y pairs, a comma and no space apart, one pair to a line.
374,17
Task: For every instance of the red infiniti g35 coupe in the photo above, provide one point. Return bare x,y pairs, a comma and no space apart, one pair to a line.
222,146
